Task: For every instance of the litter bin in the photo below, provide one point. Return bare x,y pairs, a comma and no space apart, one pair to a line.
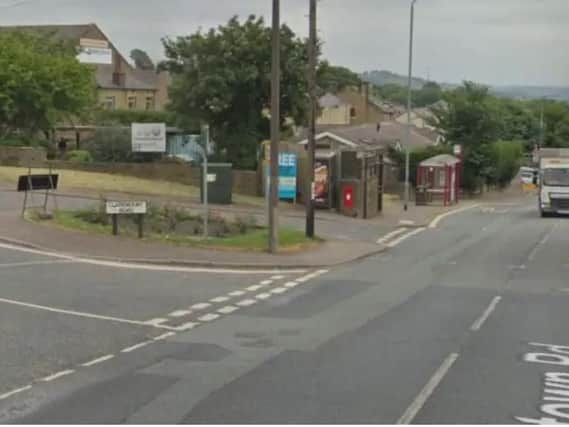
219,183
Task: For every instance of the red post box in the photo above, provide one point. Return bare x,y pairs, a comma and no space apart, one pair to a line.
348,197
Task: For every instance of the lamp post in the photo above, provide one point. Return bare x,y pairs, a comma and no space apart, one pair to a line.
409,95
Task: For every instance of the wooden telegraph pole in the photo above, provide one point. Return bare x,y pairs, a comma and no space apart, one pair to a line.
275,131
309,202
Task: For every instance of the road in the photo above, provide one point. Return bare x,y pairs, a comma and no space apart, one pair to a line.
463,323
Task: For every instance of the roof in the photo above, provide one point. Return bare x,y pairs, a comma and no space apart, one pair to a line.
390,134
440,160
135,79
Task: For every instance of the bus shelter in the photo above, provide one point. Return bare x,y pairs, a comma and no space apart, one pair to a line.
438,180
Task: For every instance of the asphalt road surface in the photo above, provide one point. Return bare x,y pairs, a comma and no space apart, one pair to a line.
464,323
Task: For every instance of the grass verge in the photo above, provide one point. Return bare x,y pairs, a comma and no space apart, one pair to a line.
254,240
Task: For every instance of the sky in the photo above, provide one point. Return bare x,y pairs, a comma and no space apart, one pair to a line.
498,42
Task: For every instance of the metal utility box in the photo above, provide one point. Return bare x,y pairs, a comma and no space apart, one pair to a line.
219,183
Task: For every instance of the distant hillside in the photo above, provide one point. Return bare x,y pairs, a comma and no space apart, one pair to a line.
383,77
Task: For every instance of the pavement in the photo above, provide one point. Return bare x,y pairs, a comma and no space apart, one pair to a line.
346,239
462,323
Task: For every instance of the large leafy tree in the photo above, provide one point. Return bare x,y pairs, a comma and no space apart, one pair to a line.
41,83
141,59
222,77
334,78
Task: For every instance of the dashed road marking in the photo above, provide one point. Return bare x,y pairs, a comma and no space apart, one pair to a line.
427,391
228,309
180,313
480,321
237,293
279,290
98,360
156,322
136,347
187,326
291,285
266,282
14,392
58,375
218,300
263,296
255,288
279,277
247,302
209,317
200,306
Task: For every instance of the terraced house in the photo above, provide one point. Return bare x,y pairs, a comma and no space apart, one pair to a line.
120,85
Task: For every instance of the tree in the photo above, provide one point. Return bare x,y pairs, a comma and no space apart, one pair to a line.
41,84
222,77
141,59
333,78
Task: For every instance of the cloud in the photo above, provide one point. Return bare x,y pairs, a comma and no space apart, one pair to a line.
499,42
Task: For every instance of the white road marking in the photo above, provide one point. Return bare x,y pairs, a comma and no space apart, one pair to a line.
255,288
291,285
321,272
435,222
279,277
164,336
537,247
156,322
428,390
141,266
406,222
58,375
76,313
99,360
136,346
401,239
180,313
219,299
391,235
209,317
228,309
263,296
237,293
32,263
200,306
246,302
480,321
266,282
186,326
13,392
279,290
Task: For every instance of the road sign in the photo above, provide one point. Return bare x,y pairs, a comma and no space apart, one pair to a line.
149,137
126,207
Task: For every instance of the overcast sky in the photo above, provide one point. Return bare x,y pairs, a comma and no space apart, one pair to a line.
489,41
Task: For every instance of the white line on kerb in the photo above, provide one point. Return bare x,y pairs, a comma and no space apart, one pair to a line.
435,222
13,392
58,375
428,390
98,360
136,266
401,239
391,235
480,321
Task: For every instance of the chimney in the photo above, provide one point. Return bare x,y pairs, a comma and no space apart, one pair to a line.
119,77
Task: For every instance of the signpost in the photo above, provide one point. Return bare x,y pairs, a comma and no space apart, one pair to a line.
30,183
148,137
128,207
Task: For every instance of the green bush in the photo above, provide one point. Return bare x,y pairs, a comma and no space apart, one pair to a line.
81,156
113,144
126,117
505,160
23,142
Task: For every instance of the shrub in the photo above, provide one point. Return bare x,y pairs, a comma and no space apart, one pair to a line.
505,158
81,156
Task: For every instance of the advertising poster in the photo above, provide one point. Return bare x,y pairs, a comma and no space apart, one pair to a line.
321,184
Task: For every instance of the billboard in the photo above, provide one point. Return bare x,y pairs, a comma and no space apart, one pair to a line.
149,137
288,165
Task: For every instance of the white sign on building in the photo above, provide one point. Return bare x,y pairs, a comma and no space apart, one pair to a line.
149,137
95,52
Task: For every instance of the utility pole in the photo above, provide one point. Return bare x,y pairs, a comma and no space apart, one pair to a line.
309,202
541,125
275,130
409,105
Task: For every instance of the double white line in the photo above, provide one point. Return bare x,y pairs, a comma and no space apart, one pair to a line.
396,237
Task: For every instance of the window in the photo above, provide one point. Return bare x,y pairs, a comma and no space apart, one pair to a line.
109,103
149,103
131,102
352,112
